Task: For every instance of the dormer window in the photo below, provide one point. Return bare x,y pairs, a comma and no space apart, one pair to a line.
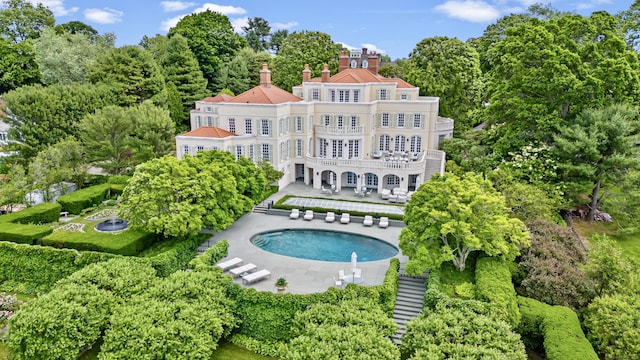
354,64
365,64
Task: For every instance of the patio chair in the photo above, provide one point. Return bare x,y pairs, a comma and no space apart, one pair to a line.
331,217
338,282
256,276
357,276
341,275
295,213
244,269
368,220
345,219
226,265
384,222
308,215
384,194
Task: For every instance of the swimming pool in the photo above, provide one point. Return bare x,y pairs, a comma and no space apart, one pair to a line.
325,245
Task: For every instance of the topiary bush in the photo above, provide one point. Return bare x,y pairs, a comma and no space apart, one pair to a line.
79,200
23,234
38,214
129,242
493,285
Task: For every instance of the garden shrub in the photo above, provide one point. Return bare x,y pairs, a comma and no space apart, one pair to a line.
178,255
23,234
81,199
554,328
129,242
38,214
493,285
210,256
35,269
613,325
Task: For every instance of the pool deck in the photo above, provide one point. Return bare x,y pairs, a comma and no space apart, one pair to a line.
303,276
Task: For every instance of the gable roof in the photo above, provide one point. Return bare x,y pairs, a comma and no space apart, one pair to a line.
265,94
359,76
218,98
209,132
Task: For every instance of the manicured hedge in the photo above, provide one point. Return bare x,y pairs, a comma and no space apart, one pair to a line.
180,252
128,242
79,200
211,256
39,214
35,269
493,285
23,234
266,318
557,327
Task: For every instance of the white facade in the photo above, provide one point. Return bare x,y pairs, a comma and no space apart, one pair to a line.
353,129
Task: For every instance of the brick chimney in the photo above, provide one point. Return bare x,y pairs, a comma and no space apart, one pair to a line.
265,76
374,62
344,60
306,73
325,73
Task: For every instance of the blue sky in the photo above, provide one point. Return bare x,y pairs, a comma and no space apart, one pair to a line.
390,27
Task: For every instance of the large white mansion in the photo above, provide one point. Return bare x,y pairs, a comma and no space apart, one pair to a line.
355,128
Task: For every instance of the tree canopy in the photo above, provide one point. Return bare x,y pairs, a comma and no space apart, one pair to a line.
450,69
21,20
18,66
257,33
300,48
449,217
212,40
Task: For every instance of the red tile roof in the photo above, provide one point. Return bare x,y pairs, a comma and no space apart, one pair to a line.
218,98
209,132
349,76
269,94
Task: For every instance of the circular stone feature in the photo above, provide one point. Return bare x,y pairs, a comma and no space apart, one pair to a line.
111,225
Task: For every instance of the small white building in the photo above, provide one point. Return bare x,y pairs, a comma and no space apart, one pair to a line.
355,128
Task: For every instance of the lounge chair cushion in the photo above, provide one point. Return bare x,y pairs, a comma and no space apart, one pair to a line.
308,215
345,219
295,213
256,276
384,222
368,220
228,264
331,217
247,268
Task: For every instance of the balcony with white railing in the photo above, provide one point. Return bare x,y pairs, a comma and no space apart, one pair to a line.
426,159
339,130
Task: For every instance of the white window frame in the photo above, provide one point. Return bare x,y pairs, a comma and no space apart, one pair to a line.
404,97
315,94
326,120
384,120
266,152
299,147
383,143
400,143
383,94
353,121
298,121
238,151
185,150
248,126
232,125
340,121
417,121
356,96
401,120
265,128
416,143
209,121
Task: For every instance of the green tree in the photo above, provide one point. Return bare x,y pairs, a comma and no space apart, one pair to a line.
180,68
14,187
179,198
609,269
67,58
254,61
50,168
272,175
18,66
175,106
449,217
450,69
107,136
300,48
133,74
544,73
154,132
256,32
599,145
21,20
235,76
277,38
77,27
47,115
212,40
451,333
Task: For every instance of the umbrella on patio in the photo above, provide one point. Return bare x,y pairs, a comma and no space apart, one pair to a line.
354,262
330,178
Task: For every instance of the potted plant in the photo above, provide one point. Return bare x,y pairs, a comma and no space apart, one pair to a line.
281,284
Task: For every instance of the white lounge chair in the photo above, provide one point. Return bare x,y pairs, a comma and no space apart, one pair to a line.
226,265
345,219
384,194
384,222
338,282
341,275
308,215
357,276
295,213
246,268
368,220
331,217
256,276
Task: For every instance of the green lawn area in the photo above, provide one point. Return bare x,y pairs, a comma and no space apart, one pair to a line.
628,243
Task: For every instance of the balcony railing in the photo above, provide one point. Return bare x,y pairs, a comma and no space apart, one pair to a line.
427,157
339,130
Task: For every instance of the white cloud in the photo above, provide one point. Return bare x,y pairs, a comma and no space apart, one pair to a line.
170,6
103,16
239,23
222,9
469,10
169,23
280,26
346,46
372,48
56,7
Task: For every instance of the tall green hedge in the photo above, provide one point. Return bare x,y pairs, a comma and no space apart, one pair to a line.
557,327
39,214
23,234
493,285
129,242
35,269
210,256
179,254
79,200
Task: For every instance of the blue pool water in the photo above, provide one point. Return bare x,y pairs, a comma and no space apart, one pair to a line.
323,245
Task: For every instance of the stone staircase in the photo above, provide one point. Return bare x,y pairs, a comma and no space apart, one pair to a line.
409,301
262,207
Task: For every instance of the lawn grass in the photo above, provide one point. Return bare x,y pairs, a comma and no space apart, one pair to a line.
228,351
4,352
629,244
